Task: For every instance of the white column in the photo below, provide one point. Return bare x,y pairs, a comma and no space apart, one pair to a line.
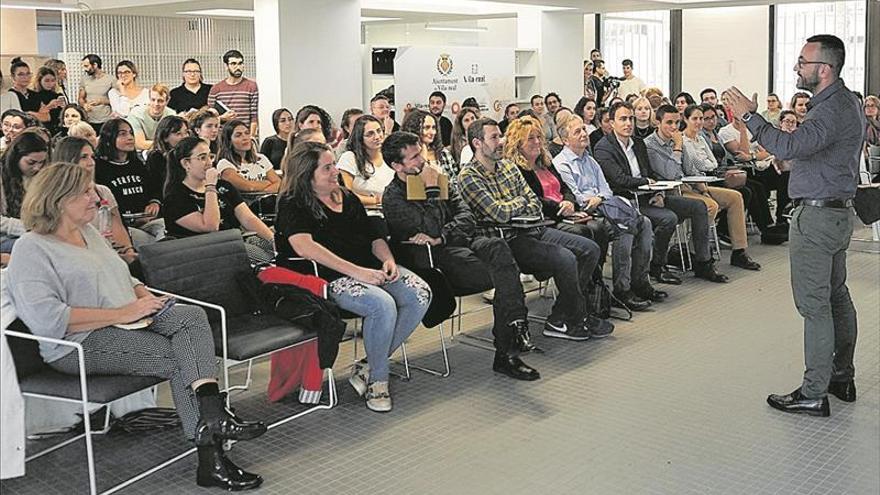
559,39
561,51
308,52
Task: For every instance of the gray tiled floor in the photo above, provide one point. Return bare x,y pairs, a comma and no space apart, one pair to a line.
673,403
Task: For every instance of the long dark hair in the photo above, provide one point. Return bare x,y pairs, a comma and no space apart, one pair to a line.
175,173
225,148
167,126
307,111
13,180
414,122
80,110
356,144
107,141
299,170
459,133
69,148
276,116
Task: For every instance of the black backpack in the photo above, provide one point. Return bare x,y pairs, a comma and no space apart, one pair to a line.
599,299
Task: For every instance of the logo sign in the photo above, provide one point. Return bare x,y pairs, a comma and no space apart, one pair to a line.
444,64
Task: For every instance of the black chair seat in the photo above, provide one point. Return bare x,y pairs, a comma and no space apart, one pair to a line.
254,335
101,388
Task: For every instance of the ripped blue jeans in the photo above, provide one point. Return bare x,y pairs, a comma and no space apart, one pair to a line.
391,312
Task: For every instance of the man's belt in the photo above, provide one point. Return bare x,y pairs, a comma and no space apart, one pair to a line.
824,203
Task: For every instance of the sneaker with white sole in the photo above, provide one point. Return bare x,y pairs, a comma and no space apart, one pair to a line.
359,376
559,330
378,397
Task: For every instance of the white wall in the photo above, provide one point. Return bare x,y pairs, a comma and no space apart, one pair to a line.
560,55
499,33
589,35
723,47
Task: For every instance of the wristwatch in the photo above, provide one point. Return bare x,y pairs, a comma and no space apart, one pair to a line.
746,116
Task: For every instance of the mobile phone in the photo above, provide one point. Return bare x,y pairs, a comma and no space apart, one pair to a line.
221,107
171,301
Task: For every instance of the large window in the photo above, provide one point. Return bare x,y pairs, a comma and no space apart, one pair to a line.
642,37
795,22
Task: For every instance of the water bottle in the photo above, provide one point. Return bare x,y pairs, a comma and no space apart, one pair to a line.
105,219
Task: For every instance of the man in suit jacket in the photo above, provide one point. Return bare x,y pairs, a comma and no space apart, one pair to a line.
624,161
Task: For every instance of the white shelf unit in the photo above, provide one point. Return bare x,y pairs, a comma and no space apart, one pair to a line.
526,81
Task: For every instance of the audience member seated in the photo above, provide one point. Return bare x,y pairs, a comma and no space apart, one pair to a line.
872,118
466,259
380,107
70,114
127,94
545,117
644,114
424,125
362,168
556,145
798,105
240,164
8,100
674,155
626,166
85,131
205,123
603,120
78,151
145,118
460,149
710,121
192,95
67,283
682,100
436,105
774,107
197,202
118,167
631,231
321,221
274,146
25,157
45,89
170,131
306,136
314,117
60,70
654,95
510,114
788,123
499,196
524,146
349,117
13,122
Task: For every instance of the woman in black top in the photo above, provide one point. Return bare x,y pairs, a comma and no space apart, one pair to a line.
21,78
275,146
169,132
118,167
197,202
319,220
603,119
45,88
193,93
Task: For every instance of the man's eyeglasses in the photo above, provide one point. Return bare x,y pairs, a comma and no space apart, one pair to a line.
801,63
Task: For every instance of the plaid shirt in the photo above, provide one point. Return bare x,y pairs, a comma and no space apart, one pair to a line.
495,198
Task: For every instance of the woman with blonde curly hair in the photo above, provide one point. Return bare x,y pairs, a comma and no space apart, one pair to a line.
526,146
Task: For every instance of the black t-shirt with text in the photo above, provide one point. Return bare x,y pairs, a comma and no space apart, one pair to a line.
131,183
181,201
348,234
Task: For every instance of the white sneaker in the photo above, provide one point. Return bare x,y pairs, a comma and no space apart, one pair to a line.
359,376
378,397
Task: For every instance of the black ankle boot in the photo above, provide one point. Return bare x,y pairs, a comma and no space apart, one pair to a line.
523,337
217,422
215,469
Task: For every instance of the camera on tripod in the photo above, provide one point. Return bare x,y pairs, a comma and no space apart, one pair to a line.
612,82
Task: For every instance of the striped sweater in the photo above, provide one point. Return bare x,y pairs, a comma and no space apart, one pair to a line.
242,98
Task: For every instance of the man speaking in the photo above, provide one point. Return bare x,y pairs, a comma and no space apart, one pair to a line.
825,152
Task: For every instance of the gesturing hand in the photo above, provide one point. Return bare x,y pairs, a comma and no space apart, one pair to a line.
739,103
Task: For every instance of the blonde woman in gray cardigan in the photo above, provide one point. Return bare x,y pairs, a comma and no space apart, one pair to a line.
67,283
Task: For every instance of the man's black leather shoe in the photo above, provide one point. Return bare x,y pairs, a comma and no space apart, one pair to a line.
797,403
706,271
845,391
514,367
649,293
630,301
664,277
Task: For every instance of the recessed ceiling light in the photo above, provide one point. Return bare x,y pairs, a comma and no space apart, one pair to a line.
40,6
